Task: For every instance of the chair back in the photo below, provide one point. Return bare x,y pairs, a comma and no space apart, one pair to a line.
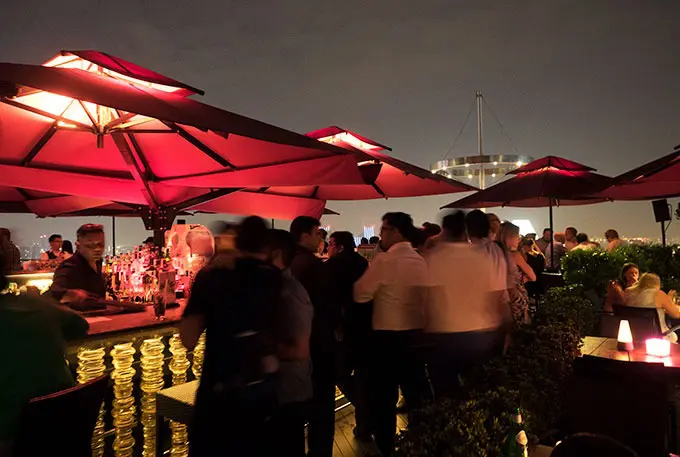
627,401
61,423
643,321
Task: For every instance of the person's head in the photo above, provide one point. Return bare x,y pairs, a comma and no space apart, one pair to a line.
418,239
454,227
582,238
648,281
431,229
509,236
280,248
340,242
528,245
396,228
225,235
91,242
252,236
5,234
630,274
364,240
560,237
374,240
67,247
148,242
323,233
591,445
305,231
570,233
477,224
547,235
611,235
56,242
494,225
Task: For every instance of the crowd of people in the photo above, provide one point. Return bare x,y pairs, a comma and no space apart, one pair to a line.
284,327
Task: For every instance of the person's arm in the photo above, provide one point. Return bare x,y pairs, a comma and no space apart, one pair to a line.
60,290
44,257
614,297
664,301
524,266
192,324
73,326
372,280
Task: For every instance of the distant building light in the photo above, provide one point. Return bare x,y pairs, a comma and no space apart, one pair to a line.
467,165
519,163
495,163
470,176
493,175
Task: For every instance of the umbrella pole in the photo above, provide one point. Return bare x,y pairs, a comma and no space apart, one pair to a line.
113,234
552,236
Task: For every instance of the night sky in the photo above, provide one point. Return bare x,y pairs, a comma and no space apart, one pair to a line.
597,82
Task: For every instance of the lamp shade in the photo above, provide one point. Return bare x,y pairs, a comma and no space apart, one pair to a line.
625,338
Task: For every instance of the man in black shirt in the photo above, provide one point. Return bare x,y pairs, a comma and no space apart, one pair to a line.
236,306
80,276
311,272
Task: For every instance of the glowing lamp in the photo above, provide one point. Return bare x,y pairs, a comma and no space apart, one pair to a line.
658,347
625,338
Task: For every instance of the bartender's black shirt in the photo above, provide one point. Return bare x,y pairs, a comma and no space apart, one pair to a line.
76,273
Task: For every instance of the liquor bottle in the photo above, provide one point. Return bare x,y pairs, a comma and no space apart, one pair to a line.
516,443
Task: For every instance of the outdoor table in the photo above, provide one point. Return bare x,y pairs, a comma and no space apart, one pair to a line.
606,348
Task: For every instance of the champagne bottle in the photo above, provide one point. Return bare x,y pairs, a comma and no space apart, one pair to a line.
516,443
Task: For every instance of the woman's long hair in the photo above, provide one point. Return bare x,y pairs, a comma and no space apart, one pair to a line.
647,281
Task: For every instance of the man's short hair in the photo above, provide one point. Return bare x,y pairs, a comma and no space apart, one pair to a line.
431,229
252,235
477,224
374,240
581,238
53,237
282,240
344,239
89,229
402,222
546,230
571,230
302,225
454,225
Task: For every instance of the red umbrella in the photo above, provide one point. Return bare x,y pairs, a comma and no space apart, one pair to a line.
384,177
108,130
544,182
655,180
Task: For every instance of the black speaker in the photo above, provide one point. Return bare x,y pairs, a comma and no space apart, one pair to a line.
662,212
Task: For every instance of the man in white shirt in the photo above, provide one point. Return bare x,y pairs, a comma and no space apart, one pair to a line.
464,315
396,282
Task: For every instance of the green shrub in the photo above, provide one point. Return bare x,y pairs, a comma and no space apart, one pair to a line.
590,269
531,375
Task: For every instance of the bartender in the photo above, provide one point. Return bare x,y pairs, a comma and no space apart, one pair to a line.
79,277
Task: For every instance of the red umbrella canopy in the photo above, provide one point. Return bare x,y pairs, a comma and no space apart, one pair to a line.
657,179
101,134
384,177
545,181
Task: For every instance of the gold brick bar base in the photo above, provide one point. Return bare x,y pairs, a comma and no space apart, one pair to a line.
199,353
179,365
91,366
151,360
123,410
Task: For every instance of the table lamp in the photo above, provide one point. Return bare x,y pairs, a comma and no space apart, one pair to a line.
625,338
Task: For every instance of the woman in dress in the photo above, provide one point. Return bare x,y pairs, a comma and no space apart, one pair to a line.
630,273
647,293
519,272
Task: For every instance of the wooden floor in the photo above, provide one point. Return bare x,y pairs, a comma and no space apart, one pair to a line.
345,443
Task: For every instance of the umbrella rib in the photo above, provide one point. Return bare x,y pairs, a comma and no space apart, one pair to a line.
315,192
133,166
209,196
49,133
378,189
199,145
138,151
44,113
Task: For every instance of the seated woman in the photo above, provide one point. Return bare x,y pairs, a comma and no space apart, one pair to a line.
630,273
647,293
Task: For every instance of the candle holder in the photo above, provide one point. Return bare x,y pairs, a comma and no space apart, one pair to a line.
199,353
658,347
179,365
